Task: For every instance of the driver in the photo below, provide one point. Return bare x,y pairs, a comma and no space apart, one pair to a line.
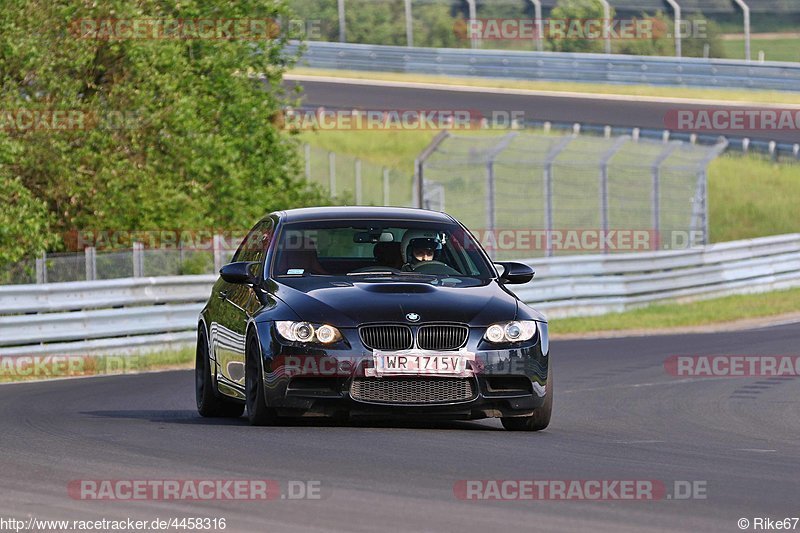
422,250
419,247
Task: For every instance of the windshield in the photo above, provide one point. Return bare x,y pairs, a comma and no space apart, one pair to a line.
374,248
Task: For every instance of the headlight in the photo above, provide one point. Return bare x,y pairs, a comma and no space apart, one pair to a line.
306,332
516,331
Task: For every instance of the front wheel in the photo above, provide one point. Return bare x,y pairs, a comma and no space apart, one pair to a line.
540,418
258,413
208,404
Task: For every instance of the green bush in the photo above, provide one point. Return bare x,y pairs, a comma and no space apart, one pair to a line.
24,222
694,46
580,10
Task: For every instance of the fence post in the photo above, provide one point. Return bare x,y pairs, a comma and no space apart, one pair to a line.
216,246
700,203
606,25
537,9
418,187
676,8
491,216
746,13
138,260
359,195
604,222
41,268
491,202
547,176
342,23
474,39
409,25
655,171
386,198
90,256
307,157
332,173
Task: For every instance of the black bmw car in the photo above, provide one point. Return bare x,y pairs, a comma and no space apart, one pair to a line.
371,311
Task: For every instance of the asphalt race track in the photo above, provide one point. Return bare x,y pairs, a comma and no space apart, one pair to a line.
618,416
617,112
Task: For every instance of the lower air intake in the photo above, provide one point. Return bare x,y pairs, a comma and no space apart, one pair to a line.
412,390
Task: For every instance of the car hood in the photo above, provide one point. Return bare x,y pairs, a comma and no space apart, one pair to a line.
350,303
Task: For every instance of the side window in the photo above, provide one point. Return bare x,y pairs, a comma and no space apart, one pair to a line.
254,246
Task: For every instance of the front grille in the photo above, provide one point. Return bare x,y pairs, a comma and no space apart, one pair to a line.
442,337
386,337
412,390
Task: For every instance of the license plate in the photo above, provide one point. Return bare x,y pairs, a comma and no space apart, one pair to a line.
418,362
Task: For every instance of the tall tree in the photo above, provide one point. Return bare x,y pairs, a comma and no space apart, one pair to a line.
178,113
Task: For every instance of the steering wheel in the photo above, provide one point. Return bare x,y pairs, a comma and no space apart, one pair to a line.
435,267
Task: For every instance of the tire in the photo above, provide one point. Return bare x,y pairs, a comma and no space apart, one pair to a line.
208,404
258,412
540,418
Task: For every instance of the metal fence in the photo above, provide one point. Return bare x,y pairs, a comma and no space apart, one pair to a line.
423,23
126,315
562,184
135,262
492,181
554,66
351,180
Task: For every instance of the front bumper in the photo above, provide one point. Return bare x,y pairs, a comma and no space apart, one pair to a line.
312,381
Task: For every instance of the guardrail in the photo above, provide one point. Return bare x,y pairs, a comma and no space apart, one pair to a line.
101,316
598,284
554,66
139,313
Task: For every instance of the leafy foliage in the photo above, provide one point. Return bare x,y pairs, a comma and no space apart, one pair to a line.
178,133
23,222
577,10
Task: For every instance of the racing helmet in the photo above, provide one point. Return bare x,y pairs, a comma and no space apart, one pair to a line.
419,238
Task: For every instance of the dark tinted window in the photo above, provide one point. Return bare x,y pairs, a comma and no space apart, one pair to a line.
254,246
351,247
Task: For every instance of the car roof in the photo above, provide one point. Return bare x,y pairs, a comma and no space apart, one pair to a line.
362,212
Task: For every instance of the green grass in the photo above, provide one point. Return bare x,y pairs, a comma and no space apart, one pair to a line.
730,95
393,149
751,196
785,49
23,369
676,315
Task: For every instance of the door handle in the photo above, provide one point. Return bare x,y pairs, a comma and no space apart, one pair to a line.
223,294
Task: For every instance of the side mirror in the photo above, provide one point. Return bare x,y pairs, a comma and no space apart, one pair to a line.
515,273
240,273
